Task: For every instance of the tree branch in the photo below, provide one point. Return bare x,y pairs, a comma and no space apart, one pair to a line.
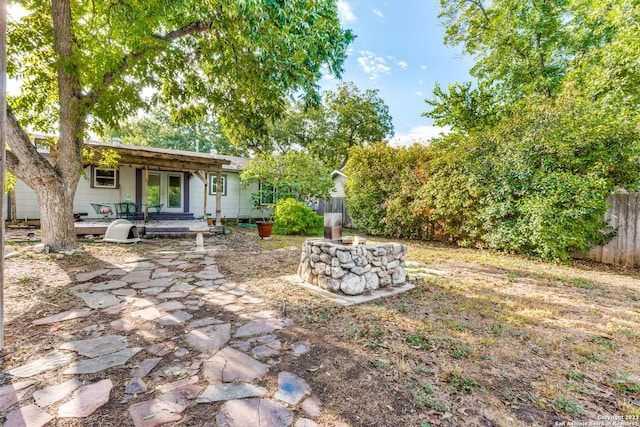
20,147
130,59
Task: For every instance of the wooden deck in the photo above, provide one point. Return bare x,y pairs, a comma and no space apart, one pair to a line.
151,228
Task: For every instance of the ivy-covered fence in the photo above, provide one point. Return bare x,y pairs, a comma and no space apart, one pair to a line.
624,218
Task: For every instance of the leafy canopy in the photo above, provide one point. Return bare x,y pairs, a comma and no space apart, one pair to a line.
347,118
291,174
238,58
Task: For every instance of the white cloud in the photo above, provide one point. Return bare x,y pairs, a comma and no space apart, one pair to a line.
372,64
378,13
420,82
419,93
419,134
423,67
403,65
345,12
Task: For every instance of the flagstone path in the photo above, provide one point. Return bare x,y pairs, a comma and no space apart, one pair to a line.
153,300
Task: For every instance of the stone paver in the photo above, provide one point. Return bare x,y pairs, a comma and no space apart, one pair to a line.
86,400
109,285
254,412
95,347
259,327
291,388
122,325
98,364
84,277
98,299
174,300
61,317
312,406
230,365
49,395
27,416
210,339
146,366
52,360
11,394
220,392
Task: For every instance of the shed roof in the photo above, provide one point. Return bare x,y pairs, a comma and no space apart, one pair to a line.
159,158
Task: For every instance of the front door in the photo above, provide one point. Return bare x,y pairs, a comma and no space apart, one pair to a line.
165,189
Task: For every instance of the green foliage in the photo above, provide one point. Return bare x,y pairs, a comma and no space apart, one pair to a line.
9,182
293,217
291,174
346,118
380,189
189,132
568,405
89,65
546,132
237,58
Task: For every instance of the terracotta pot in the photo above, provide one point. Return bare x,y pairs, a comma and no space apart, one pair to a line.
209,222
264,229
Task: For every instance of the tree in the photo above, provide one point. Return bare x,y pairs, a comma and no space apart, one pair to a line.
548,129
291,174
200,134
347,118
84,65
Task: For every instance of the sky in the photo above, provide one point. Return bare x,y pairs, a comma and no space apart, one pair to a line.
399,50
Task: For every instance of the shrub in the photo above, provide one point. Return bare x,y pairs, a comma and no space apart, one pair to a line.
294,217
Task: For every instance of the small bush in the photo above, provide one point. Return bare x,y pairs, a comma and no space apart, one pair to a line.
292,217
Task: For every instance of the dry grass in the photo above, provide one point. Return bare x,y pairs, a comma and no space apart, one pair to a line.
499,340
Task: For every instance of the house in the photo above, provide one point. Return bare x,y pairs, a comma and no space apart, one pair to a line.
337,201
157,183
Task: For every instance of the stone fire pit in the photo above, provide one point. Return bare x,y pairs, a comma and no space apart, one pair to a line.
352,269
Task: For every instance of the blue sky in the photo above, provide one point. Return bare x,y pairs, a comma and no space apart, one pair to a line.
400,51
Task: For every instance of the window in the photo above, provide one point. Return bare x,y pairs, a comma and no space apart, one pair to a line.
104,178
212,184
267,194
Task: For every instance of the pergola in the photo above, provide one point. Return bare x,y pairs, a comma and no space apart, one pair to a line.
201,165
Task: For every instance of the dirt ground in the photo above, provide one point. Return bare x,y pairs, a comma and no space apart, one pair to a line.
483,340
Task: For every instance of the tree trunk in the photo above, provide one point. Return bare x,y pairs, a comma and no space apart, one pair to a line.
55,201
14,209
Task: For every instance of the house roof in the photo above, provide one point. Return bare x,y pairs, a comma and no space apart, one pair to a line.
337,173
162,158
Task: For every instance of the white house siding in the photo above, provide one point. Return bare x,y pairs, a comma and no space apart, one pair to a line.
85,194
26,202
236,203
338,181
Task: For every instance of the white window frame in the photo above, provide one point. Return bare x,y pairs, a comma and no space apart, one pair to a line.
212,184
96,177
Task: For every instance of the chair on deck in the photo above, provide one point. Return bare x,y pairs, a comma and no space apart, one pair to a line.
154,209
126,210
102,209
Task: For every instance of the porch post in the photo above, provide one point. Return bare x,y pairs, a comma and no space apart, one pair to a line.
218,198
206,193
145,193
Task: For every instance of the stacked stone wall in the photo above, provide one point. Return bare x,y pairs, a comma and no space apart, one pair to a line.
352,270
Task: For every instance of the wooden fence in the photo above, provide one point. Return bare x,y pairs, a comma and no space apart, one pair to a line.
624,248
336,204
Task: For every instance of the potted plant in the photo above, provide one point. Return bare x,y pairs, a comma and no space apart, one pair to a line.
266,210
281,175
